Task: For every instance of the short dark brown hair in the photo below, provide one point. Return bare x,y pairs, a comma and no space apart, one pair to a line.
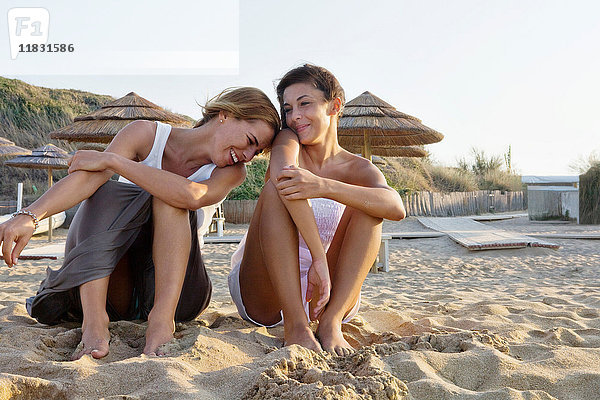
316,76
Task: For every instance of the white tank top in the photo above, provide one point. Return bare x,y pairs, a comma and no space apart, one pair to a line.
154,159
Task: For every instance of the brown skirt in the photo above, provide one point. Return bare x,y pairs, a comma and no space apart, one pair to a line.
116,222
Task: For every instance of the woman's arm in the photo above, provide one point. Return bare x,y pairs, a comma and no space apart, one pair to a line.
171,188
367,192
284,153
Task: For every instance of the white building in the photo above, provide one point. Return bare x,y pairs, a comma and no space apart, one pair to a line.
552,197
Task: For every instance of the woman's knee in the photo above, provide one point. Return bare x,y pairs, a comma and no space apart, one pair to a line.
357,217
269,202
269,193
160,208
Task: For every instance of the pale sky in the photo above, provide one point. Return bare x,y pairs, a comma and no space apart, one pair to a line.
486,74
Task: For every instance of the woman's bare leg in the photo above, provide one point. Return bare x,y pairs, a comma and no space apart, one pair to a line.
350,257
170,249
117,288
95,335
270,274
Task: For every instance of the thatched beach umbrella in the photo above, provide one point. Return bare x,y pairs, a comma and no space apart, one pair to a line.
89,146
9,149
371,123
47,157
391,151
102,125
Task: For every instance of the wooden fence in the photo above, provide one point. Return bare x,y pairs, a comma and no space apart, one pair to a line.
463,203
238,211
421,203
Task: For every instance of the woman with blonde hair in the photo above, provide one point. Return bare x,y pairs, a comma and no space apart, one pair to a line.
316,228
132,250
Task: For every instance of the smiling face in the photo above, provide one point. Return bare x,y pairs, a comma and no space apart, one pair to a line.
307,112
239,140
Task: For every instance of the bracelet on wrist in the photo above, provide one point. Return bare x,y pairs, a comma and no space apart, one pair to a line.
36,222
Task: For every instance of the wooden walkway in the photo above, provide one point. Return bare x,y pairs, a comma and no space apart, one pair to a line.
497,217
222,239
477,236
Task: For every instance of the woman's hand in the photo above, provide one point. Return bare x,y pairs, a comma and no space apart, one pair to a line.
17,231
295,183
318,276
90,160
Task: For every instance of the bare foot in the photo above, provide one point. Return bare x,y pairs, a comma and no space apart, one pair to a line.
159,332
332,339
301,335
94,340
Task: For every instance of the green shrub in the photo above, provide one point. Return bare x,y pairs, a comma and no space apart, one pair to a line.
589,196
448,179
500,180
254,182
406,175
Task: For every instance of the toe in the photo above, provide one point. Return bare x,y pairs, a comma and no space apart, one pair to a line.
99,353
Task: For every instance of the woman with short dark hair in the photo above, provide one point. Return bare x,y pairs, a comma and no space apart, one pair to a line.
316,228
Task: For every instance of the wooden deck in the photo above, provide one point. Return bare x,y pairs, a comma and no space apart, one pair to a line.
222,239
477,236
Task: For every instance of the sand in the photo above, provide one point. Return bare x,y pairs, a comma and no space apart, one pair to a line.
444,323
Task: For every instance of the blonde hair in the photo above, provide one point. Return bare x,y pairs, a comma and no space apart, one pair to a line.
246,103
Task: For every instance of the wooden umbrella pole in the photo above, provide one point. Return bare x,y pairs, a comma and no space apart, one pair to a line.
50,217
367,146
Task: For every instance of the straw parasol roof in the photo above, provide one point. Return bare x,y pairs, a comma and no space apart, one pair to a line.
9,149
390,151
45,157
370,122
102,125
90,146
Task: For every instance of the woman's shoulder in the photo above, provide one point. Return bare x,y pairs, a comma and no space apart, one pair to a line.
138,136
349,159
360,171
285,135
139,129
